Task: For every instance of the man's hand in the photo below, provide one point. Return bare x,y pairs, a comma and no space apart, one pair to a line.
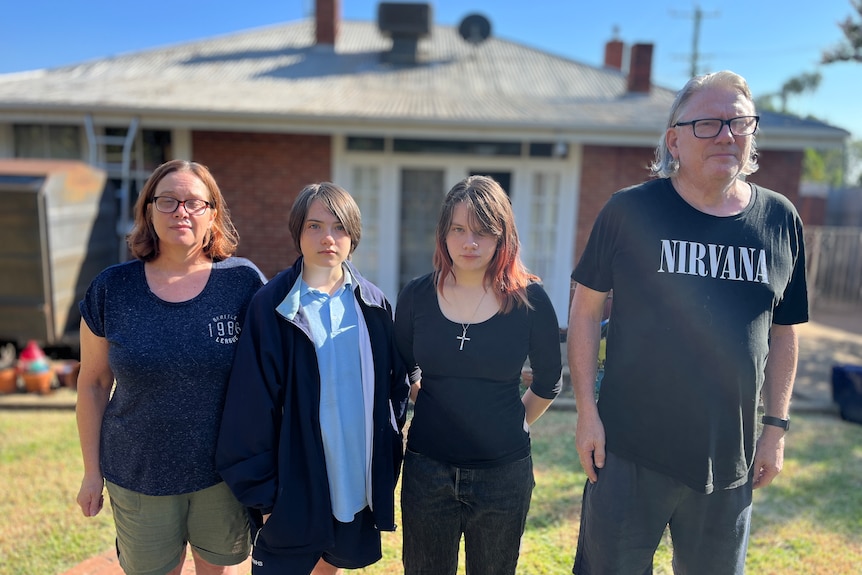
768,456
582,349
590,443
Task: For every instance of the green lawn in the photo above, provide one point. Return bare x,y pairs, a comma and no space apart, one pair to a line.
808,521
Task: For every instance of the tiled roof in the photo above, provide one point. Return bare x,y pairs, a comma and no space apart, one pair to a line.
277,72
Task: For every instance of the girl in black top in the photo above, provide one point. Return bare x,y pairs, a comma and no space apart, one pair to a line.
465,331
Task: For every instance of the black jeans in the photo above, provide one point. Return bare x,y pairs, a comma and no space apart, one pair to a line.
440,502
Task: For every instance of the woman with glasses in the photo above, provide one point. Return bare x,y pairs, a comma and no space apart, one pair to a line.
158,335
311,435
708,275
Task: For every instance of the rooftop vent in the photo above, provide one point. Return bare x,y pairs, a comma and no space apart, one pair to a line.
405,23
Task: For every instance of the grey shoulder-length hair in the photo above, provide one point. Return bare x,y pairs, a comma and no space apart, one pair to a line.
665,165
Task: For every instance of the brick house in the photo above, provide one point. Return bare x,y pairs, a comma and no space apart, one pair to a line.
396,110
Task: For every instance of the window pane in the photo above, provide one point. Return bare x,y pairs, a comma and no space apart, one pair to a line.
157,148
457,147
29,141
64,142
363,144
43,141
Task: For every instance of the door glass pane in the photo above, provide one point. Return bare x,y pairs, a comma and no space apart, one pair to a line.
422,193
366,190
540,249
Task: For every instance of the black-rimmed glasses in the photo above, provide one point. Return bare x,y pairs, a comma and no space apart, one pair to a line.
193,206
711,127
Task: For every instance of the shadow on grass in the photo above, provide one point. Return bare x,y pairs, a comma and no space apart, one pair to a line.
817,355
820,479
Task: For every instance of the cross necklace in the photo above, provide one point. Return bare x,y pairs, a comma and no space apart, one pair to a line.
463,337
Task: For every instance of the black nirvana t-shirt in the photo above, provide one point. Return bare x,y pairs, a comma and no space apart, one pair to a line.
695,296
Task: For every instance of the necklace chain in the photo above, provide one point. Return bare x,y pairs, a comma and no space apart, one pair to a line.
463,337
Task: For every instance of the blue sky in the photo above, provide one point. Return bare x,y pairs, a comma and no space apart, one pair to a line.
767,41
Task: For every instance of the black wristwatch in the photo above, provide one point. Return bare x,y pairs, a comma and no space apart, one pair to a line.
776,421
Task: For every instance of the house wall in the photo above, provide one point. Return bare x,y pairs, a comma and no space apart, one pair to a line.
260,176
781,171
605,170
812,211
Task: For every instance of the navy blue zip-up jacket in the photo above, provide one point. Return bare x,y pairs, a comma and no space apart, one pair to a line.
270,449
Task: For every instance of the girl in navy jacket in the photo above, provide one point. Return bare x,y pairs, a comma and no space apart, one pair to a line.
311,438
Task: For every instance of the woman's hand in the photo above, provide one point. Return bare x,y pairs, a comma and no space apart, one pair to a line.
90,496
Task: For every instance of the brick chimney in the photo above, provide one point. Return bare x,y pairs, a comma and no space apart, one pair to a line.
327,16
640,68
614,54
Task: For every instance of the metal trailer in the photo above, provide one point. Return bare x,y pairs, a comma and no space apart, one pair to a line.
57,231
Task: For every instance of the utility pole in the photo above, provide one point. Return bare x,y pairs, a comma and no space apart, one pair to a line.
697,17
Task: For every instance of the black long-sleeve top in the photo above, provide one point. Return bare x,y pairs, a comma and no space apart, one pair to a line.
469,411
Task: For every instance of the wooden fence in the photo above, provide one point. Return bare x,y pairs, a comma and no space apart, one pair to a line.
834,258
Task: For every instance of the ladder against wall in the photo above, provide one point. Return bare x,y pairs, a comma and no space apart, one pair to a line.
103,147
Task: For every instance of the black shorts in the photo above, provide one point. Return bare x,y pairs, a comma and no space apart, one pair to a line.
357,545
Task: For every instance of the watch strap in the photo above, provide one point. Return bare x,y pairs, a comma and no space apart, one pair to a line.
776,421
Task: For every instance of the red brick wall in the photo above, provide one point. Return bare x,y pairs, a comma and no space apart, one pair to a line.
780,171
812,210
260,176
605,170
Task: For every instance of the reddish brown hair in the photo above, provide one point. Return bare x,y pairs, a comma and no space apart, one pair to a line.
220,243
490,213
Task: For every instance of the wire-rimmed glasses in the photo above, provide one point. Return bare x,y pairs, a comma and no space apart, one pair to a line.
711,127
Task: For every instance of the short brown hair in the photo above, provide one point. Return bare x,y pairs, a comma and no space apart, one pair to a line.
222,239
339,203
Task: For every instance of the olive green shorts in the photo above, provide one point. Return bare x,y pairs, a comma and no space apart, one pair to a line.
152,531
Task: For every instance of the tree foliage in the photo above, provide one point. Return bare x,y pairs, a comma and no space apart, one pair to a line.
804,82
826,166
799,85
851,48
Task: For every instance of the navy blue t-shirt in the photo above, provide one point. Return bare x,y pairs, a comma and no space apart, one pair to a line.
171,363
